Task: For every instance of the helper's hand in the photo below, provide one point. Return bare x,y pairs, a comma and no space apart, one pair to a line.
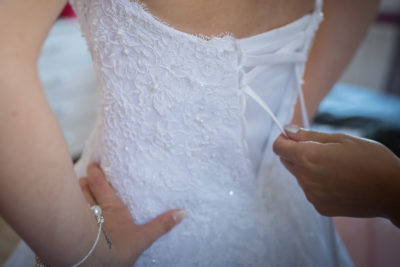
128,240
343,175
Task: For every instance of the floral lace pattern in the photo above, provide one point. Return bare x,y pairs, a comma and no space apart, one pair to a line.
171,134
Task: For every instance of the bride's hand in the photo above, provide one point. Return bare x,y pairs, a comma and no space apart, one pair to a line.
343,175
127,241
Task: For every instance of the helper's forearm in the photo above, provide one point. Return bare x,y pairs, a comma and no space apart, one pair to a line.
344,27
40,196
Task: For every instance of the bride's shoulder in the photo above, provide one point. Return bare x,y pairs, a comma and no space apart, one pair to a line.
25,25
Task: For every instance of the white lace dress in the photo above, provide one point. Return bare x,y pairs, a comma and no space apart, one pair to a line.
182,124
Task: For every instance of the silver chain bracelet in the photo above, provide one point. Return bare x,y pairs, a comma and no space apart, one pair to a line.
100,220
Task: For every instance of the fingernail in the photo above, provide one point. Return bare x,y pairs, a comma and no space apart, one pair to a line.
178,216
293,129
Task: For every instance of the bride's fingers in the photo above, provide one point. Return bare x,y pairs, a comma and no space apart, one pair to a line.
158,227
101,190
94,169
83,182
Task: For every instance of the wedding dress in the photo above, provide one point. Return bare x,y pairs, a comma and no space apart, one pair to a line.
188,121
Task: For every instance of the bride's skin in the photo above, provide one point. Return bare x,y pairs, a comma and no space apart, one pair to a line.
241,18
40,196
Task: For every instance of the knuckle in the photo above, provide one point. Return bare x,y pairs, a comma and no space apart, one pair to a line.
93,167
311,135
302,158
111,204
344,138
307,159
275,147
95,180
297,155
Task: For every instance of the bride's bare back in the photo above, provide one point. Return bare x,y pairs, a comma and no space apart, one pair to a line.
241,18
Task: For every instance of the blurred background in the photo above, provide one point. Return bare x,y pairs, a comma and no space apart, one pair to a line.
366,103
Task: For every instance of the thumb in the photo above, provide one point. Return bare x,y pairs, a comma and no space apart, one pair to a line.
161,225
301,135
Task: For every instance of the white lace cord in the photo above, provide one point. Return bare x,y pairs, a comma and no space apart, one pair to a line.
304,114
257,64
318,6
316,18
256,98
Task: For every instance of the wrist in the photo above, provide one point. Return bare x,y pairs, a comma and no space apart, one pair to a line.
95,244
101,251
103,254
